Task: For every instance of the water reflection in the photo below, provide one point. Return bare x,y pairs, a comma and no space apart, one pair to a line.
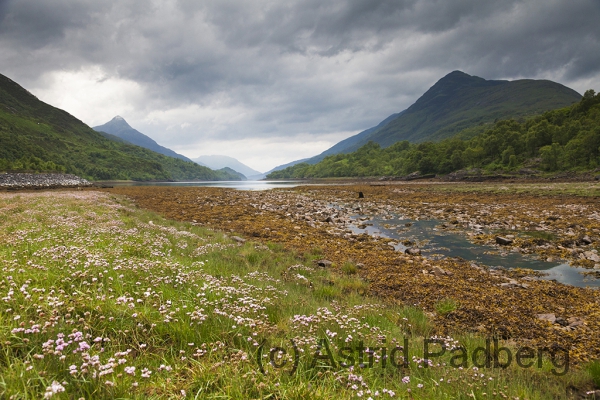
239,185
436,242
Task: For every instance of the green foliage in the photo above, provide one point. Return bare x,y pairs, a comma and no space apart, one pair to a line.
594,370
446,306
35,136
563,139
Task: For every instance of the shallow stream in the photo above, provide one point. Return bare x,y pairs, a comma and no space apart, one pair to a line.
436,242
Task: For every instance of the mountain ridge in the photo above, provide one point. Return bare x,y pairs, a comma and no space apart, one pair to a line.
455,102
121,129
36,136
221,161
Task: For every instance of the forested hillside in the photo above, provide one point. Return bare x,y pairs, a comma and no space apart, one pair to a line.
563,139
35,136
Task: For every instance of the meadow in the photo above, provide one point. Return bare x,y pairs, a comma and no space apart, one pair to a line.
100,299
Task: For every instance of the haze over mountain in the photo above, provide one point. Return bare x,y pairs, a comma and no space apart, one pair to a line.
220,161
456,102
120,128
37,136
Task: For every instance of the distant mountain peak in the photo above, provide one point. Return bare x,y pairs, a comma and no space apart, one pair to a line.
120,128
119,121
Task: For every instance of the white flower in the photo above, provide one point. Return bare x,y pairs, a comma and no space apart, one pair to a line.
53,389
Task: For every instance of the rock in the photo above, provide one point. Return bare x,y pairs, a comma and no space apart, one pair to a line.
437,271
547,317
561,321
586,240
590,255
575,322
503,241
40,181
413,251
514,284
324,263
238,239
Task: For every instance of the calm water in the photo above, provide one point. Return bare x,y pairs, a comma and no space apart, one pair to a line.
240,185
435,242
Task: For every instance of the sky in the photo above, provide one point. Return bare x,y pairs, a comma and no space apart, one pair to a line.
272,81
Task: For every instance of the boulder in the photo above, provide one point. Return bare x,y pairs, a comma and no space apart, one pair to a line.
238,239
503,241
324,263
590,255
547,317
413,251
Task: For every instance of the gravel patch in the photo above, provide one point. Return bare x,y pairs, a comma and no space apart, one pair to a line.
13,181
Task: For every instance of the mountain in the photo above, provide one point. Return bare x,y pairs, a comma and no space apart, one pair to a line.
241,177
350,144
564,139
39,137
459,101
218,162
456,102
121,129
284,166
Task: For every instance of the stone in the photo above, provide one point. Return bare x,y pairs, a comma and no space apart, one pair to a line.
586,240
575,322
547,317
238,239
503,241
561,321
324,263
413,251
590,255
437,271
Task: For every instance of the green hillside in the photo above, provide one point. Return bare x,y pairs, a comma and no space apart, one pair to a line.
35,136
559,140
459,101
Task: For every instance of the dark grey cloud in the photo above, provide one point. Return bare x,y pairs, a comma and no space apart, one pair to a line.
297,66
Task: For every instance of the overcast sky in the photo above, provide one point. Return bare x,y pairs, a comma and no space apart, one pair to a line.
272,81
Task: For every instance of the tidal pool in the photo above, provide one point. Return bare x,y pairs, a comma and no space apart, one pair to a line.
436,242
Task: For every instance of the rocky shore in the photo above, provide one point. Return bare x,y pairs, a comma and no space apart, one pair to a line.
509,303
14,181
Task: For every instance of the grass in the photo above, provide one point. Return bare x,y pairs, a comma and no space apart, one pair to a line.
446,306
99,300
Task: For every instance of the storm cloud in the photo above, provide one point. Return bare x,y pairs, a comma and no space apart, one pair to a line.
268,82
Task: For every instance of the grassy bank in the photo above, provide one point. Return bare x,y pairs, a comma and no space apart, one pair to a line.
99,299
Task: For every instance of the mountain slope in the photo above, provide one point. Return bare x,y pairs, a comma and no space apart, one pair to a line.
37,136
120,128
218,162
566,139
350,144
459,101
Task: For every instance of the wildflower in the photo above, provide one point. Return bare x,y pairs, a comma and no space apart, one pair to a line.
53,389
406,379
